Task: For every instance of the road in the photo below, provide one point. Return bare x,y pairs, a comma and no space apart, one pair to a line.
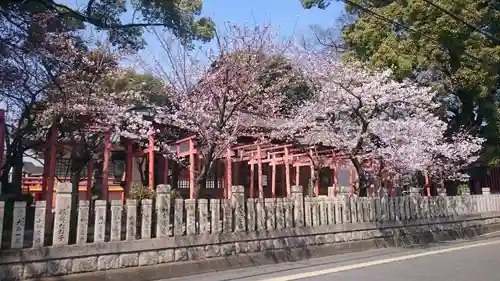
457,261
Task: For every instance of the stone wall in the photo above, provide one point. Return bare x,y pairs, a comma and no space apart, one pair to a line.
165,231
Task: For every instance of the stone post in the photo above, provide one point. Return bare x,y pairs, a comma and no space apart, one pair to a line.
378,209
100,220
269,205
147,218
392,213
227,216
251,214
330,211
261,214
116,220
163,206
238,202
204,226
354,211
190,216
62,214
371,209
18,223
83,222
298,205
280,214
338,210
307,211
288,212
359,209
131,219
346,209
215,215
178,217
315,210
39,227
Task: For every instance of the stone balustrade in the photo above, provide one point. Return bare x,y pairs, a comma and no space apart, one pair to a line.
163,229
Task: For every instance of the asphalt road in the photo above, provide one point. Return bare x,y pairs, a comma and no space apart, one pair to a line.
457,261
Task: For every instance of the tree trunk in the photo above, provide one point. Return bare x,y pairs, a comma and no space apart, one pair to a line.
364,183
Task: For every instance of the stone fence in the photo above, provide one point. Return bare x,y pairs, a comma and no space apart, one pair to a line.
167,230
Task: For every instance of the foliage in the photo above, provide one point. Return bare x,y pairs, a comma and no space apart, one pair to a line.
451,45
181,17
227,97
368,115
139,192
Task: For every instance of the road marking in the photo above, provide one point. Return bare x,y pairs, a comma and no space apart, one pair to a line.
376,262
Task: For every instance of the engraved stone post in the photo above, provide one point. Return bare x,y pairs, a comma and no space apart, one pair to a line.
190,216
330,211
402,209
179,217
298,205
215,215
353,204
116,220
392,214
2,213
322,211
83,222
407,207
288,205
338,210
270,207
359,209
397,213
280,214
227,216
163,206
131,219
100,220
413,207
315,210
346,209
432,207
378,209
307,211
238,196
426,207
62,214
147,218
18,223
261,214
371,209
251,214
331,205
204,226
39,227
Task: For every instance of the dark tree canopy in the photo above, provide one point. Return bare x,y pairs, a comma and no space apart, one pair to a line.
181,17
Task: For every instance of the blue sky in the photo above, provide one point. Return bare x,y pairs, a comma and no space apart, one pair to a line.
287,16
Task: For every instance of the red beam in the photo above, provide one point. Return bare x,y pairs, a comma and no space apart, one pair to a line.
105,166
151,159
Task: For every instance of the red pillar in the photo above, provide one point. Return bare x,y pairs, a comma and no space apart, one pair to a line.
128,169
335,180
273,178
229,173
287,173
259,172
191,170
105,165
427,185
252,178
151,159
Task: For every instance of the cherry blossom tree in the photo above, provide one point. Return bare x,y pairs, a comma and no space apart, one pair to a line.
366,114
227,94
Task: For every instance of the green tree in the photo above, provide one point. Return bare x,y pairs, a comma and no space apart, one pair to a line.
181,17
451,44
